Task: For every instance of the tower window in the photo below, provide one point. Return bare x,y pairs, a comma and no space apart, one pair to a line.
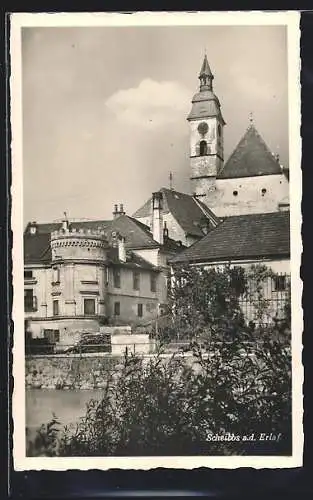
55,306
235,193
263,191
219,130
203,148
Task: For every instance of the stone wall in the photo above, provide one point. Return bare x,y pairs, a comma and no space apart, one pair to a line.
77,371
87,371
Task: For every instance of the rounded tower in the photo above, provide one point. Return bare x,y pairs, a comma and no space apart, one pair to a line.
206,135
79,272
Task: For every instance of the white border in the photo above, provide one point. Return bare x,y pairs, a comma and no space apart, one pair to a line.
290,19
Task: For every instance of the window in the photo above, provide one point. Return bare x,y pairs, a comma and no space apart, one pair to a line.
203,148
89,307
55,275
117,277
235,193
53,336
28,274
55,305
30,302
153,282
140,310
279,283
117,308
263,191
136,280
219,130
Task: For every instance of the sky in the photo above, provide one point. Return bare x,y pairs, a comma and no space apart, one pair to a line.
104,109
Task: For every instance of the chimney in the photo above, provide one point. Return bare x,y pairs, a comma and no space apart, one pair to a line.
33,227
118,211
121,248
157,217
115,212
65,223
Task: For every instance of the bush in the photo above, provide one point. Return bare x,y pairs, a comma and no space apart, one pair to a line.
174,407
234,383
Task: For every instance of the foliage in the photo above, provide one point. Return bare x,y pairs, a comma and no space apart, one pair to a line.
205,302
46,441
173,406
235,380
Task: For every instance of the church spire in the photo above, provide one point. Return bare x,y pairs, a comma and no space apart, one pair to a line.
206,77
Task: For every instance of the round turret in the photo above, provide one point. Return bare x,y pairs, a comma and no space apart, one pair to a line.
82,244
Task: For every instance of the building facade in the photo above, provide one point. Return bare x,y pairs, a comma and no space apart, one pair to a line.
78,277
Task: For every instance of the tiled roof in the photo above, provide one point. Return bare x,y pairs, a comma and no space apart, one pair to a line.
242,237
250,158
132,260
137,235
37,248
188,212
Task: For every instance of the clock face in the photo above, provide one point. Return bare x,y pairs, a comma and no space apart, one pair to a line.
203,128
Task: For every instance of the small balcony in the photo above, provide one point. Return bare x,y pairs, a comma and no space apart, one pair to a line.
30,304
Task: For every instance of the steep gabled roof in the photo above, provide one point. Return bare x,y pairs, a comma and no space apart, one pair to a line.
136,235
190,214
242,237
250,158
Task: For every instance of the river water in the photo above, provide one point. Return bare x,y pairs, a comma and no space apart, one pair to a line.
68,406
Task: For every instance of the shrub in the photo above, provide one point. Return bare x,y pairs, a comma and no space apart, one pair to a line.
174,407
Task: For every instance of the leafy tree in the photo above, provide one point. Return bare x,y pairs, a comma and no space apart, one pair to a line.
234,381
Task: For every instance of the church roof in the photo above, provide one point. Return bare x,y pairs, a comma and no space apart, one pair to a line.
205,103
205,68
250,158
253,236
190,214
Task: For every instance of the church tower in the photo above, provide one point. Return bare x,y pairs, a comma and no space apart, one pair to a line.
206,136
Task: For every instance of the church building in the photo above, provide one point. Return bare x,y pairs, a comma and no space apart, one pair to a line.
251,181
